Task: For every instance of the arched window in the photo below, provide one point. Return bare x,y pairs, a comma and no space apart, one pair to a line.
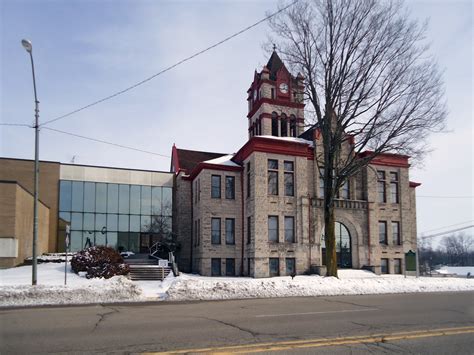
343,246
292,126
284,126
274,124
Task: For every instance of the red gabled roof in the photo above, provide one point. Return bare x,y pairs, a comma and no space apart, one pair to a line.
186,160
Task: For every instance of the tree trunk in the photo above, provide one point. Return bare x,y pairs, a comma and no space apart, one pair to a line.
330,235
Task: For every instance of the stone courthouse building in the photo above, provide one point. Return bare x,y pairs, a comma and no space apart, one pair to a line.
259,212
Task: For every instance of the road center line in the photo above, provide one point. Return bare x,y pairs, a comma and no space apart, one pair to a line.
321,312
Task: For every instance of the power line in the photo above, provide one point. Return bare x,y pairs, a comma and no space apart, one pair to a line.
16,124
451,225
426,196
105,142
447,232
168,68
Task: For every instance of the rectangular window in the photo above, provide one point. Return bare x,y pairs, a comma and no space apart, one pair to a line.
229,267
216,267
230,187
272,177
396,233
289,229
124,199
230,231
216,231
345,190
321,182
248,179
381,189
274,265
215,186
383,232
290,266
273,229
156,197
249,230
289,178
134,199
112,198
274,126
384,266
397,266
272,93
394,187
146,200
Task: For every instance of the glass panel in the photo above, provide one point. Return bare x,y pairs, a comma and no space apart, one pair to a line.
215,230
100,221
146,200
122,244
112,239
216,186
64,218
65,195
167,202
134,223
229,187
274,267
229,231
100,238
124,199
134,242
101,197
145,223
273,229
89,197
289,185
135,199
156,200
216,267
272,164
230,267
112,198
112,222
290,266
76,221
123,223
76,241
77,196
167,224
273,183
289,230
88,221
88,239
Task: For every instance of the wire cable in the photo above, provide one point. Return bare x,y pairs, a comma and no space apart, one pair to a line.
106,142
447,232
425,196
451,225
16,124
168,68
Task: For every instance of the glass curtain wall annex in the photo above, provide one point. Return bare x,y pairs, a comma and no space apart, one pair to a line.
126,217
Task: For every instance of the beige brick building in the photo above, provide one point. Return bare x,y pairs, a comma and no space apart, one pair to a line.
259,212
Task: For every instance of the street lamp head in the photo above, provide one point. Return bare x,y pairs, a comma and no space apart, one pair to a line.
27,45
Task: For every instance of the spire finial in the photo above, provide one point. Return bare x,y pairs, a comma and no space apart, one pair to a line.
274,47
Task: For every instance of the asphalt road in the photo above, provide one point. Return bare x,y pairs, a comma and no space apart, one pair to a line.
436,323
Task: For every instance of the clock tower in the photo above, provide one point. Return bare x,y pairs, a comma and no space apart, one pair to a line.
275,101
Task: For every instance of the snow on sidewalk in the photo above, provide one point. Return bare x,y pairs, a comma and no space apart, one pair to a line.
16,289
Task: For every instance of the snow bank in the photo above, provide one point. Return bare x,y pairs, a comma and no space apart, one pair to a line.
190,287
289,139
457,270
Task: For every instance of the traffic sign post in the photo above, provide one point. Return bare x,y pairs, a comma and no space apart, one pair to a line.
66,242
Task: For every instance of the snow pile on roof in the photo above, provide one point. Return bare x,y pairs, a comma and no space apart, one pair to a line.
224,160
290,139
456,270
191,287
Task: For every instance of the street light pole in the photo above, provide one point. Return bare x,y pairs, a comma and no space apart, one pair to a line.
29,48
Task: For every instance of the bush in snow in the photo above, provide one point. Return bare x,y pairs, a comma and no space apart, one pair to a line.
99,261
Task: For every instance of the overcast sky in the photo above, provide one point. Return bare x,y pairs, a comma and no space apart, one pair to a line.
86,50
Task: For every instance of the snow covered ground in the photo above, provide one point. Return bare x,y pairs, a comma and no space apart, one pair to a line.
456,270
16,289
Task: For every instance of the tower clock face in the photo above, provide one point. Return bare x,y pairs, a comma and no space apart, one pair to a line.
283,88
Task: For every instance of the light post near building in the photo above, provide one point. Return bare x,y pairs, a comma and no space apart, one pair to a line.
29,48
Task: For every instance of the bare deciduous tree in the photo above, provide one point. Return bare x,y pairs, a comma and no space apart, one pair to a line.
457,248
370,83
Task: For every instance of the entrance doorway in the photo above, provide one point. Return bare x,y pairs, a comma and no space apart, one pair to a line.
343,247
147,240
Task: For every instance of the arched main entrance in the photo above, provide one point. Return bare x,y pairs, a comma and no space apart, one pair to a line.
343,246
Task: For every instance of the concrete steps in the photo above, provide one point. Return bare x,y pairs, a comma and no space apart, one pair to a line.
146,269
